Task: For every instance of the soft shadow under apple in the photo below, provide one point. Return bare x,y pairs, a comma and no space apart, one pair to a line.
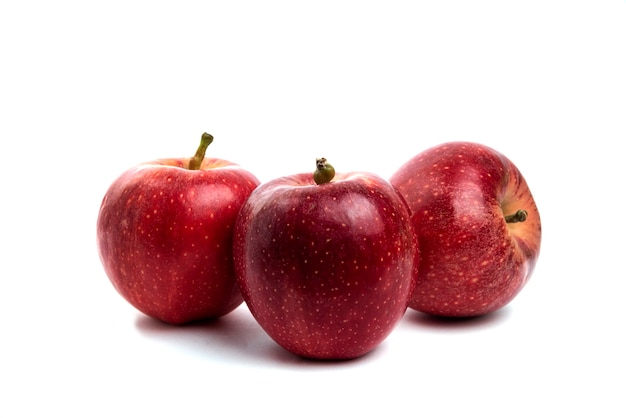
437,322
233,337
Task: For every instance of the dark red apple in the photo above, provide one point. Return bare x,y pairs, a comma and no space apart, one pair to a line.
326,269
165,235
478,228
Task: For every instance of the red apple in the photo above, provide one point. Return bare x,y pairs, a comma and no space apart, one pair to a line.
326,269
478,228
165,235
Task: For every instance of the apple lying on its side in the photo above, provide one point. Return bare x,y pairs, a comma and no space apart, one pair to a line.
478,228
326,269
164,235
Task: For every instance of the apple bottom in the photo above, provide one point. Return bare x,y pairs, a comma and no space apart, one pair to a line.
334,323
460,284
172,271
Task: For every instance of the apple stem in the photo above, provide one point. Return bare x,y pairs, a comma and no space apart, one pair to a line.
519,216
324,172
196,161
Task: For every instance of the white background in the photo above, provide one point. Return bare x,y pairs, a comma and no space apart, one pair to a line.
88,89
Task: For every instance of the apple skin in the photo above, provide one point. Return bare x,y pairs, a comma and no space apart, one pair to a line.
472,261
326,270
164,235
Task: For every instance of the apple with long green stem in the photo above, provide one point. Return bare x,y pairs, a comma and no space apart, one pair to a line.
326,262
164,235
477,225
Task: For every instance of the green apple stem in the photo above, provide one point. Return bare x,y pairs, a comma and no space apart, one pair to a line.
519,216
196,161
324,172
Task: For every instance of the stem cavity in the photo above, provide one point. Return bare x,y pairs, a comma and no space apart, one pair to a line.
519,216
324,172
196,161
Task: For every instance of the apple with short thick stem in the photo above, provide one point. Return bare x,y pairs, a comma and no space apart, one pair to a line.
478,228
164,235
326,262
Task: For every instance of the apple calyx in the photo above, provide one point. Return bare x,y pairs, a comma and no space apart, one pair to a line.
324,172
195,162
519,216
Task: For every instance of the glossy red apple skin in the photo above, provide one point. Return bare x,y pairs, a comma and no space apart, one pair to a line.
326,269
164,235
472,261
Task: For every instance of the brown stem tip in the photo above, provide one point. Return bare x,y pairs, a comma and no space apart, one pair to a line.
519,216
324,172
196,161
